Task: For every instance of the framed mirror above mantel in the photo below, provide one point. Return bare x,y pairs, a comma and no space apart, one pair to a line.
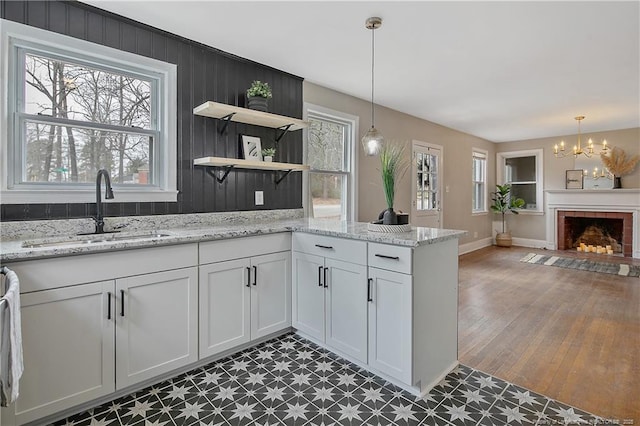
591,165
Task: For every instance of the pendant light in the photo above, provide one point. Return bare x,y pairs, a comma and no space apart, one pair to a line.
372,141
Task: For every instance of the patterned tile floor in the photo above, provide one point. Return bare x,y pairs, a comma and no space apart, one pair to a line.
291,381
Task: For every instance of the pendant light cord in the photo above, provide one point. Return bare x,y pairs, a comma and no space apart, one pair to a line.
373,53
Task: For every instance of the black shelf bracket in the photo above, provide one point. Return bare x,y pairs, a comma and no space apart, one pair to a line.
211,172
284,130
226,119
284,175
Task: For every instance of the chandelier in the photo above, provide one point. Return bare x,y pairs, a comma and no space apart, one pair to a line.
559,151
372,141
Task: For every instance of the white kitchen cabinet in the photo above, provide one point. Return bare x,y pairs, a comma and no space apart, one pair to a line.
71,320
247,298
157,323
329,298
68,345
390,323
413,312
225,306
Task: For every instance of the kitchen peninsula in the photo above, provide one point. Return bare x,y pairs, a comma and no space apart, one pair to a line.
152,303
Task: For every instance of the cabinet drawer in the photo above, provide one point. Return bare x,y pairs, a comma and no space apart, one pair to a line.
351,251
391,258
236,248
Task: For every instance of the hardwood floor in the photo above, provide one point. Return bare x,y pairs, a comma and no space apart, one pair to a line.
571,335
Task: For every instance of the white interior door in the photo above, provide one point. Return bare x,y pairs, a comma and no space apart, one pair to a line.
426,170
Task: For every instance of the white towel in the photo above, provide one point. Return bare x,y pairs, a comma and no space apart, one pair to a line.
11,363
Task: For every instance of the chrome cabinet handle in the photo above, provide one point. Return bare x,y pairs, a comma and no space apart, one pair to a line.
384,256
320,276
369,283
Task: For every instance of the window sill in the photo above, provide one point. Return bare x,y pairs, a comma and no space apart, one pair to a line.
80,196
479,213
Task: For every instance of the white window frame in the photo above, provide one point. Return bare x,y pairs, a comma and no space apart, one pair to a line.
14,38
501,158
351,158
483,155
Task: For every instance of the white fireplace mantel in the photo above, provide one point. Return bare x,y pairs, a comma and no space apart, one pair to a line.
612,200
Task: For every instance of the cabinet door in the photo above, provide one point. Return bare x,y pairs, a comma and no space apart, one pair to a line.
307,296
270,294
157,323
346,308
224,306
390,323
68,345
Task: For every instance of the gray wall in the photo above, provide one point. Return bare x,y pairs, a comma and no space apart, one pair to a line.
533,226
403,128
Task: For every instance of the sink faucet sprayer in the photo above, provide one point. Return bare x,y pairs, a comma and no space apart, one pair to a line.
108,195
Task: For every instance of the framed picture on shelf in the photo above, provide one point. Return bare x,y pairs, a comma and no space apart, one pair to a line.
574,179
251,148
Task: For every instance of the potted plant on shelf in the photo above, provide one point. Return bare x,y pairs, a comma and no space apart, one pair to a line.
393,164
268,154
258,95
503,202
618,164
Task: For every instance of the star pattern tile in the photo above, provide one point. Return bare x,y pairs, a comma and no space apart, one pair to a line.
291,381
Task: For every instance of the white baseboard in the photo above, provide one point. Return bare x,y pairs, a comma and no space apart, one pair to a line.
474,245
527,242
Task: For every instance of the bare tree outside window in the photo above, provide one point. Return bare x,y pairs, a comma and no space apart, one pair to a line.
328,156
80,119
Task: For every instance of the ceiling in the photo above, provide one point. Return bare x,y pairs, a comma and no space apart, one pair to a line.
502,71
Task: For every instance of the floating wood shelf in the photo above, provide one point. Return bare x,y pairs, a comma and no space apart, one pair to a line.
249,116
231,163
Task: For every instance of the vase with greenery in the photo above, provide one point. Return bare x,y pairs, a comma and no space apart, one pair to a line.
619,164
268,154
393,165
257,95
503,202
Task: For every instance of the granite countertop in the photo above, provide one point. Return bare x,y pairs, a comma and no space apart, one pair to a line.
17,249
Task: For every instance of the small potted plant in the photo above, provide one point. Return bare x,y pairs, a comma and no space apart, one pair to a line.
268,154
257,95
503,202
393,165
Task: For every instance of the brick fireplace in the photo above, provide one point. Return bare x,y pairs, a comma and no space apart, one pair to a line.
615,225
614,212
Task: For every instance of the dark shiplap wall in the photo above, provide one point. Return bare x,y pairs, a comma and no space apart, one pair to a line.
204,73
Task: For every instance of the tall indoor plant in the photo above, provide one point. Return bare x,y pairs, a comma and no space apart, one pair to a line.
393,164
503,202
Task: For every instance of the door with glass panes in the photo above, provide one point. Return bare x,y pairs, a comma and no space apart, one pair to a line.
426,169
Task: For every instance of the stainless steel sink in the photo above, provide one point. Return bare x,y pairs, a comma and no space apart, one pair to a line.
93,239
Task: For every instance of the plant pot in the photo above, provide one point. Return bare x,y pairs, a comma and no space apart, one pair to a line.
268,159
617,182
257,103
389,217
503,239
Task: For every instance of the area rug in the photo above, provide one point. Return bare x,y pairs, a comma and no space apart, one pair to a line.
623,269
